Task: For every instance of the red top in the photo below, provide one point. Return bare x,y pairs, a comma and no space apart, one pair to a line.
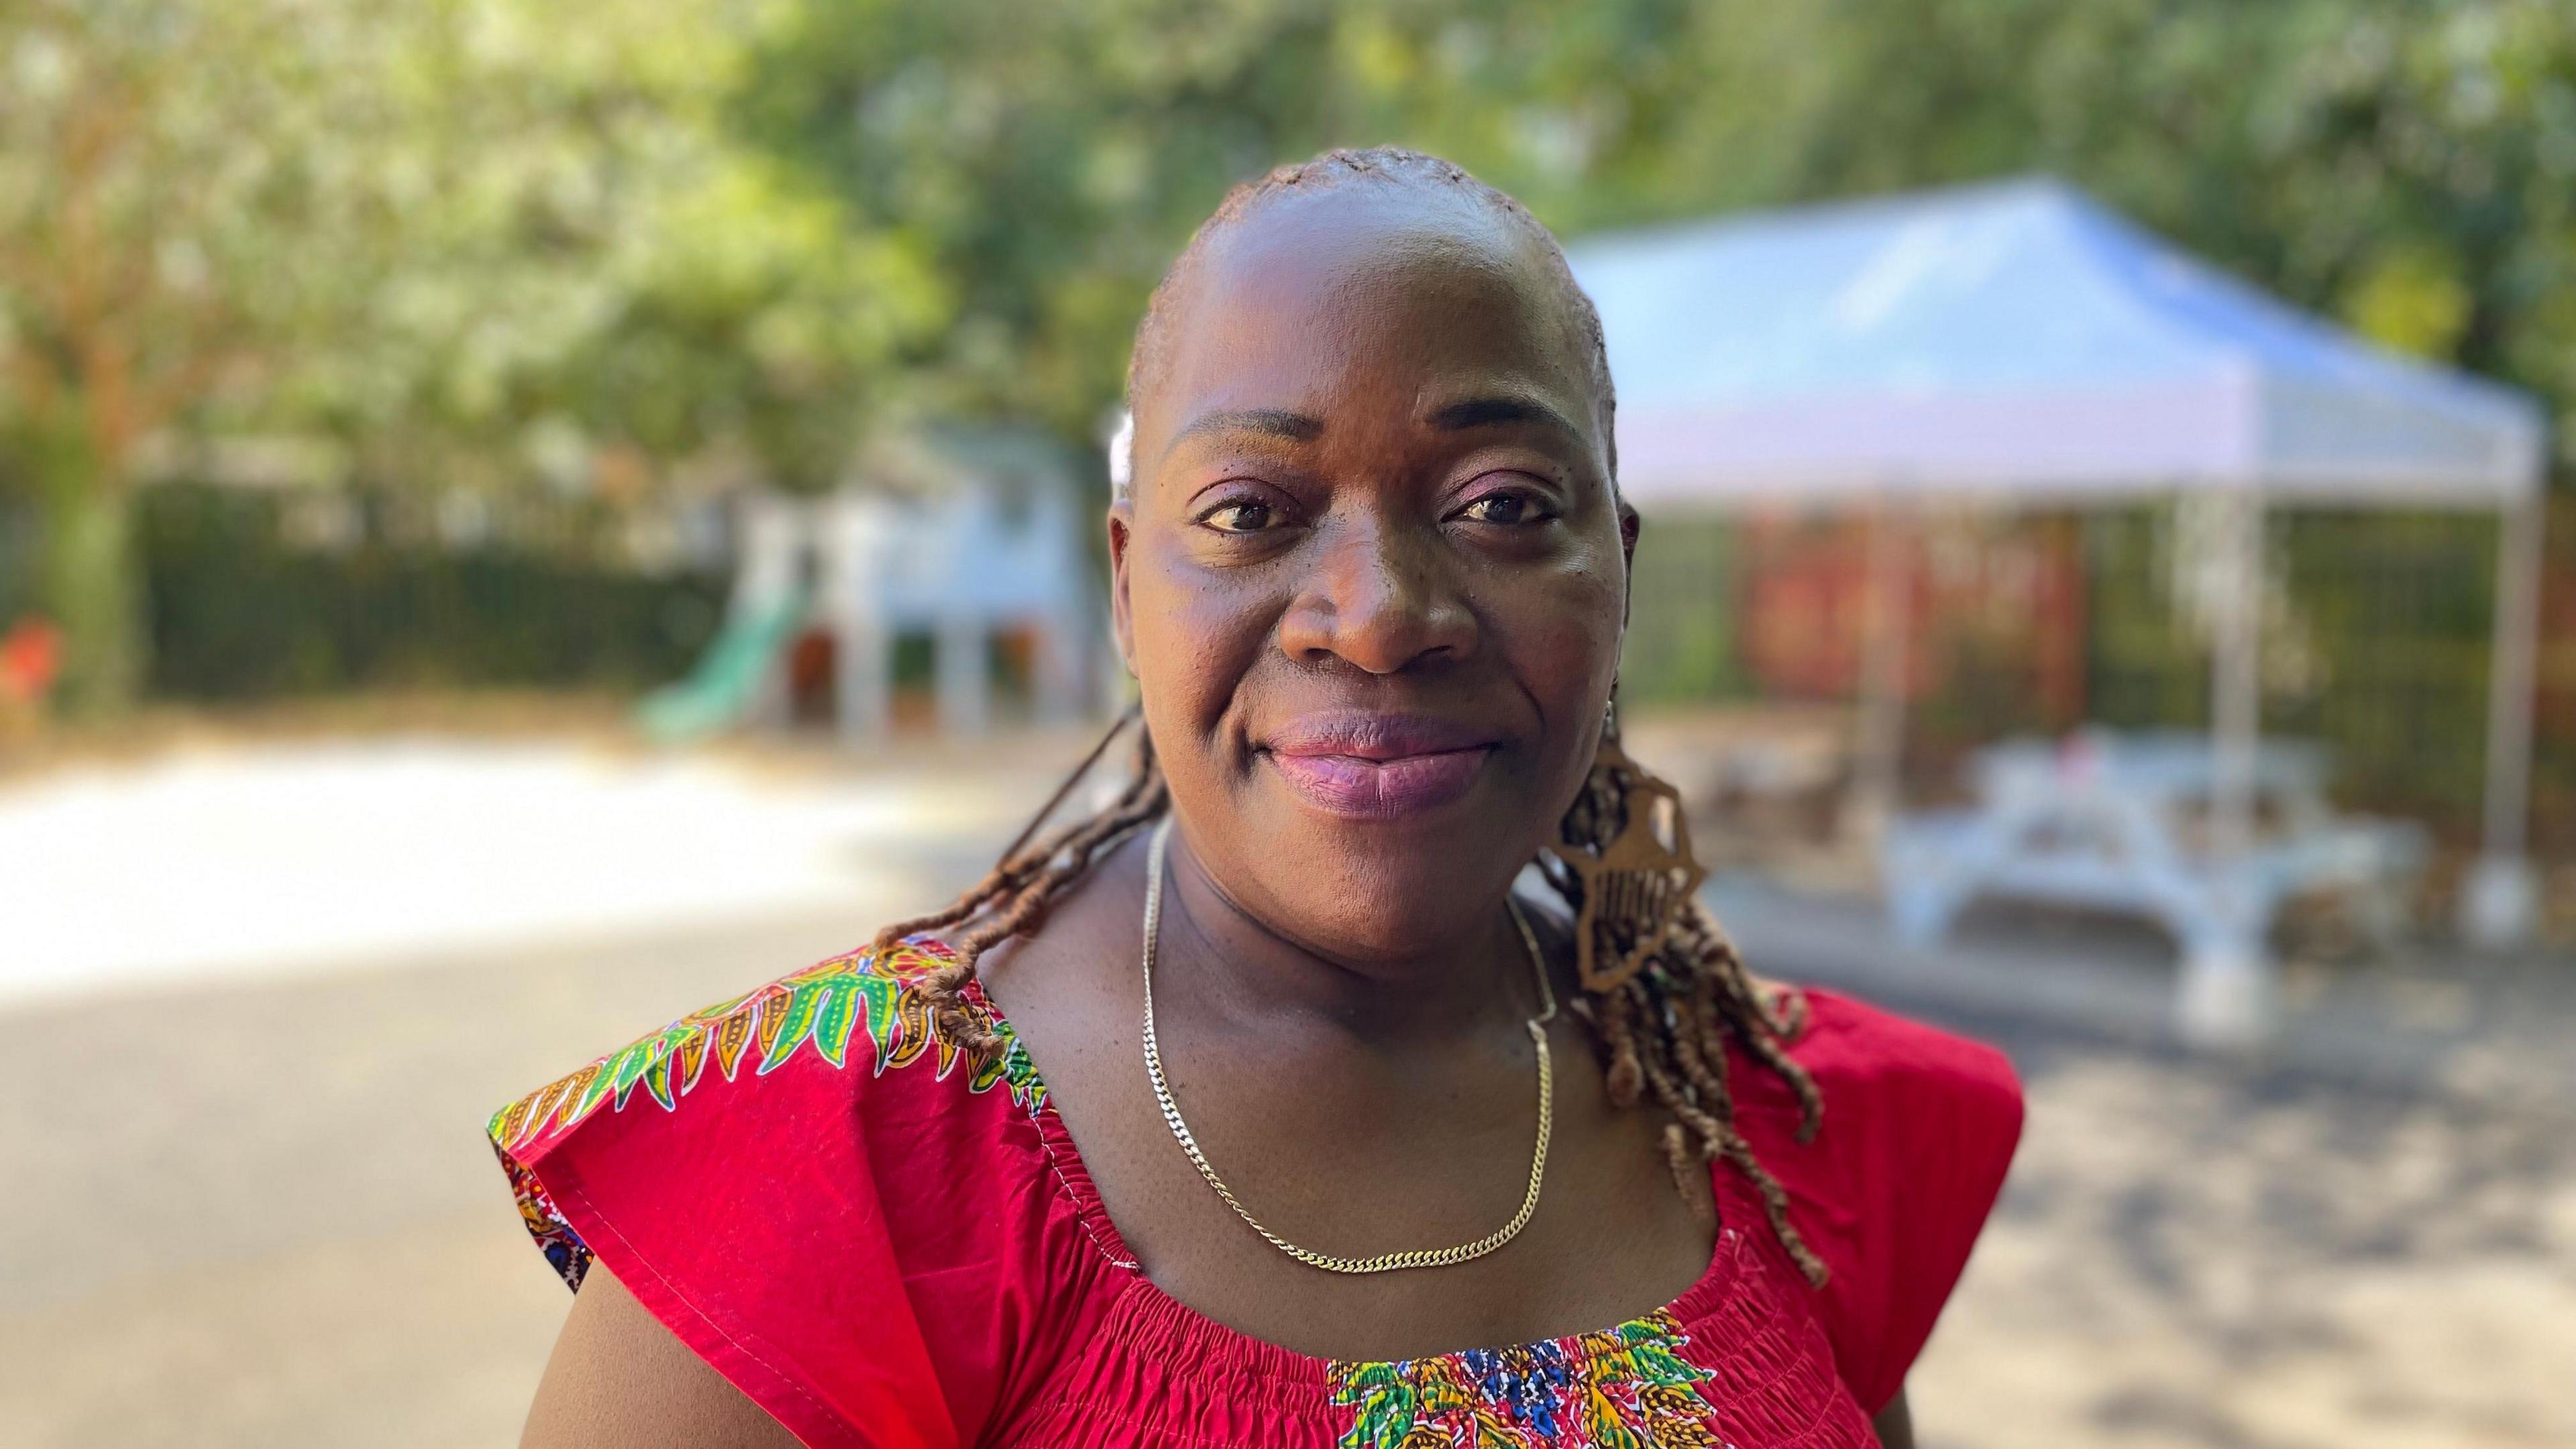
884,1247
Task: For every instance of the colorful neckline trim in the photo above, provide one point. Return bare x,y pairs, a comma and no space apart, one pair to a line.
1276,1361
1623,1385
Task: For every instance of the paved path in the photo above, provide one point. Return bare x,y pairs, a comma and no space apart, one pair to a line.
265,1216
262,859
2187,1256
2363,1234
261,1215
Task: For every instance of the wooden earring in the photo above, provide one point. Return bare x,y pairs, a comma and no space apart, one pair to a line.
1637,884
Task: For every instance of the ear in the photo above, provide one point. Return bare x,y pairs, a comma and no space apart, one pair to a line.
1629,523
1122,521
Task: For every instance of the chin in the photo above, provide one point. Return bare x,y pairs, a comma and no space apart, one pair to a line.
1389,888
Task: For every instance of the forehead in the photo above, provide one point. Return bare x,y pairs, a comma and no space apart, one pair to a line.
1367,298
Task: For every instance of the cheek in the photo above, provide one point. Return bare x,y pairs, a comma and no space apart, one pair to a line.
1197,633
1563,635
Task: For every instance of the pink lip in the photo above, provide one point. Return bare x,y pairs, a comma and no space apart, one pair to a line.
1378,766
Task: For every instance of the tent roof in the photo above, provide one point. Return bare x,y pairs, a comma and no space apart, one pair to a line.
2010,338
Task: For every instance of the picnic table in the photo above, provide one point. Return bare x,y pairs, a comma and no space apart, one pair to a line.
2124,822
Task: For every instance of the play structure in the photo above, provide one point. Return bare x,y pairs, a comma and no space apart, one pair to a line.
2016,346
972,554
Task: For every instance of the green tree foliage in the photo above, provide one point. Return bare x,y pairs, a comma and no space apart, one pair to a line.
467,242
433,231
133,192
2407,165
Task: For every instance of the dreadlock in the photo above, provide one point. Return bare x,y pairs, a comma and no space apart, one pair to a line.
1665,1029
1012,899
1662,1032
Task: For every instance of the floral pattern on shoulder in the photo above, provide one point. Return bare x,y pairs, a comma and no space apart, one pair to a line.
820,1008
1620,1388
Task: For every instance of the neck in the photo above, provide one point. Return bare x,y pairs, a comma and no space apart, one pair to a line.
1227,958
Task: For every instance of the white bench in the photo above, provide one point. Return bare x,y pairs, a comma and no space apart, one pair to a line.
2120,822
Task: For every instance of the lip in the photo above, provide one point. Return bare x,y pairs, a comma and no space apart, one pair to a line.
1371,766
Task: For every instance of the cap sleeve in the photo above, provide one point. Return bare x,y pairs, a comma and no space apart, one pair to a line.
789,1182
1919,1127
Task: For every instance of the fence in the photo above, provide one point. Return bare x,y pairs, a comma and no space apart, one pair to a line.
256,595
2375,637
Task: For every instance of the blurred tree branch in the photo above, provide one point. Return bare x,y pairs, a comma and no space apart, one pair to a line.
2406,165
442,232
476,242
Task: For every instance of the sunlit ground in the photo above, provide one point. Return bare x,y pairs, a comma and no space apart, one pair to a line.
260,998
252,860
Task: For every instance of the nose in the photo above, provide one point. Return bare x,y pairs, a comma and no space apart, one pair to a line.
1380,598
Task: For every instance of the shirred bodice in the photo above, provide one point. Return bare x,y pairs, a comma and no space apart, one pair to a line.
882,1244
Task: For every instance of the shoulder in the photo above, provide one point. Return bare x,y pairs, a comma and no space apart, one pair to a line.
1893,1190
1903,1071
1884,1079
794,1075
834,1027
790,1180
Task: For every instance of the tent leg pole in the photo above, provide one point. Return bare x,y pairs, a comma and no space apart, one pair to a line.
1882,686
864,656
2500,899
962,675
2226,992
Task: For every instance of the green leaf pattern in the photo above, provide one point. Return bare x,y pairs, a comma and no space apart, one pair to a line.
821,1006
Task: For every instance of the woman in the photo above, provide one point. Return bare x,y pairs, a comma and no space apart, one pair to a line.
1370,577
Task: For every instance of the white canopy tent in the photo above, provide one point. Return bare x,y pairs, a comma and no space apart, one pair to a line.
2019,343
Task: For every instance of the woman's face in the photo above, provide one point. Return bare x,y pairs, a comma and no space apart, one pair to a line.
1372,576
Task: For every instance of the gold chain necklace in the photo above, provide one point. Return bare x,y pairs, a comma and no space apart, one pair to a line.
1383,1262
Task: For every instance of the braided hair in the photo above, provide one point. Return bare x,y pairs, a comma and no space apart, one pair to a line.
1664,1032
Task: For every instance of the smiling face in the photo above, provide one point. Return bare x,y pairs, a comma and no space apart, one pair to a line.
1371,576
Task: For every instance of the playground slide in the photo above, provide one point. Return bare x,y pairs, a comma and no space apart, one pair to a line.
728,677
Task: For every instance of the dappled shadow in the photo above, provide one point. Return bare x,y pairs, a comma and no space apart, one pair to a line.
2196,1254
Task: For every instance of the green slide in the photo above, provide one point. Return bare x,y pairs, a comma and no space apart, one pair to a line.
728,676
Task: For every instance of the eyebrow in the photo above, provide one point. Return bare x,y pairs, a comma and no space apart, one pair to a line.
1456,417
1486,412
1270,422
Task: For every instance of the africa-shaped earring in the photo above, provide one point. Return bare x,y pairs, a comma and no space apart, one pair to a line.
1628,843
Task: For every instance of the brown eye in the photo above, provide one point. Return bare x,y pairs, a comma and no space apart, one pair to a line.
1504,508
1241,516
